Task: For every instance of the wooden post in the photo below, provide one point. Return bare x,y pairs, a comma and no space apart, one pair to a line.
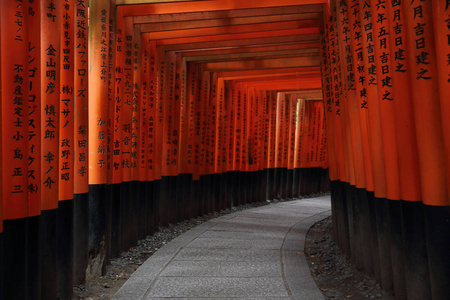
14,111
50,84
66,151
34,152
80,144
423,72
98,125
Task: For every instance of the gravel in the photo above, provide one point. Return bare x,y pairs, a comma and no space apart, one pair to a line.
120,269
335,275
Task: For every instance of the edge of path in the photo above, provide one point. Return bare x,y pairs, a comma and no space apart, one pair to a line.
295,270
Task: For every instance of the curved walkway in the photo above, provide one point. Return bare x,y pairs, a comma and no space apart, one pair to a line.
251,254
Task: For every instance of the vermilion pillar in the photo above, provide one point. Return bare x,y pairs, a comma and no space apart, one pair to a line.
440,263
424,77
151,133
127,109
14,110
66,151
66,111
145,188
34,151
98,125
351,152
441,24
291,148
423,71
50,84
80,143
128,232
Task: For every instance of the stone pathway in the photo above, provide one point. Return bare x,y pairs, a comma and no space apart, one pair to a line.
252,254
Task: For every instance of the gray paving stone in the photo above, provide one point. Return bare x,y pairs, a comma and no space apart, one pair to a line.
280,222
234,298
215,268
251,254
298,277
228,254
286,214
228,234
251,227
220,243
198,287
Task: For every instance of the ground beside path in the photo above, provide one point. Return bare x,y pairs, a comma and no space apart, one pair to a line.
335,274
251,254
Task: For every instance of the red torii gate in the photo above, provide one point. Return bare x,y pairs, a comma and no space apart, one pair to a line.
199,94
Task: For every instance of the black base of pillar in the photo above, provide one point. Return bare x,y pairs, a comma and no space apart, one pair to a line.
216,196
116,241
357,255
195,198
223,191
233,184
314,187
251,183
209,193
125,223
65,250
277,183
180,201
397,248
134,213
290,184
350,221
202,194
48,246
403,243
384,248
263,185
164,204
242,188
335,212
183,196
142,209
303,177
342,228
108,225
81,237
271,194
319,179
173,203
416,256
33,259
248,187
256,186
151,211
437,225
366,233
283,183
97,228
2,268
157,203
325,181
251,197
295,183
299,177
374,236
307,181
14,259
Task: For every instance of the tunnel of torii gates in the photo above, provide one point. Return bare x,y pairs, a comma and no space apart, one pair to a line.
118,117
